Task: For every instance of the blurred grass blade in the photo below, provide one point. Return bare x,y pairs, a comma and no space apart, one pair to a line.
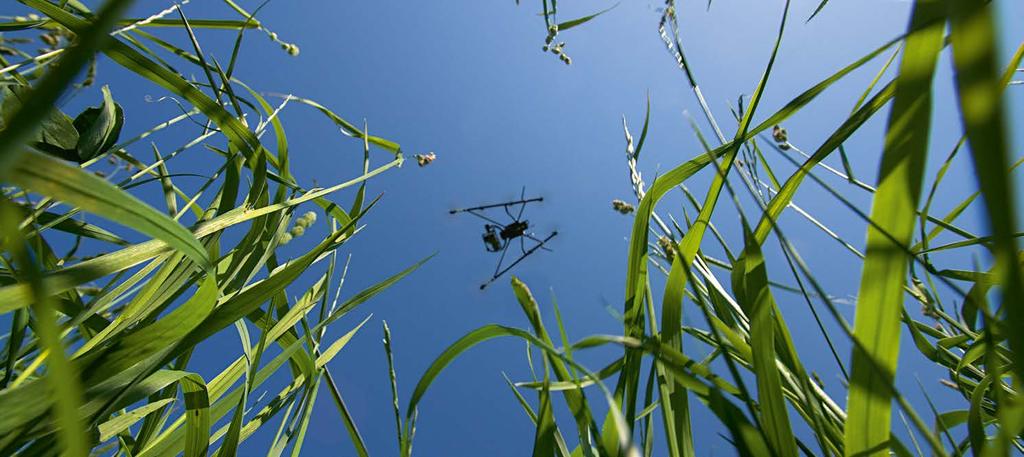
980,90
817,10
63,385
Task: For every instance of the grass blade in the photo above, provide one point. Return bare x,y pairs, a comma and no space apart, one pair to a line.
880,300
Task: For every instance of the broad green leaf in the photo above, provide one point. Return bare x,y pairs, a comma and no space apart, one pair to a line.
238,134
56,134
21,125
98,128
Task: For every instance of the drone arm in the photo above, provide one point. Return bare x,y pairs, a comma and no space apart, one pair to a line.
496,205
502,258
498,274
481,216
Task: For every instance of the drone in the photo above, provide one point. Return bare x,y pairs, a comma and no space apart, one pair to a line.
497,236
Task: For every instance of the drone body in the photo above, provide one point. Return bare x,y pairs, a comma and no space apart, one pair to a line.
499,236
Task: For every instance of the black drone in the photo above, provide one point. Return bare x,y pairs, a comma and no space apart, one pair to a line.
498,237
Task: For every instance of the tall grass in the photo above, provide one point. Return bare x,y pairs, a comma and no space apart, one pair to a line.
97,356
740,362
102,329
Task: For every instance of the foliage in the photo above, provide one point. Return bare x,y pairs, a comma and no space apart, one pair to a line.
97,357
968,313
103,327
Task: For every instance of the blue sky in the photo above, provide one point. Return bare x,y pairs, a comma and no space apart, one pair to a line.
468,81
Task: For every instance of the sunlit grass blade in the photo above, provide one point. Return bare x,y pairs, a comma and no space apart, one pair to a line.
750,273
113,427
197,409
675,408
544,438
61,181
575,399
492,331
880,300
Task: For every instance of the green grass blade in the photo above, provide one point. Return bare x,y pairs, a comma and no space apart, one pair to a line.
197,411
817,10
335,347
750,273
59,180
880,300
544,437
847,128
307,414
492,331
675,408
578,404
121,423
563,26
403,446
637,271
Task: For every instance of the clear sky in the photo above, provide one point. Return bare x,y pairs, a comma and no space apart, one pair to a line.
468,81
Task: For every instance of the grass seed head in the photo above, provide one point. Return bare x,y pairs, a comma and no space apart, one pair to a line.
781,136
665,243
298,231
622,207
